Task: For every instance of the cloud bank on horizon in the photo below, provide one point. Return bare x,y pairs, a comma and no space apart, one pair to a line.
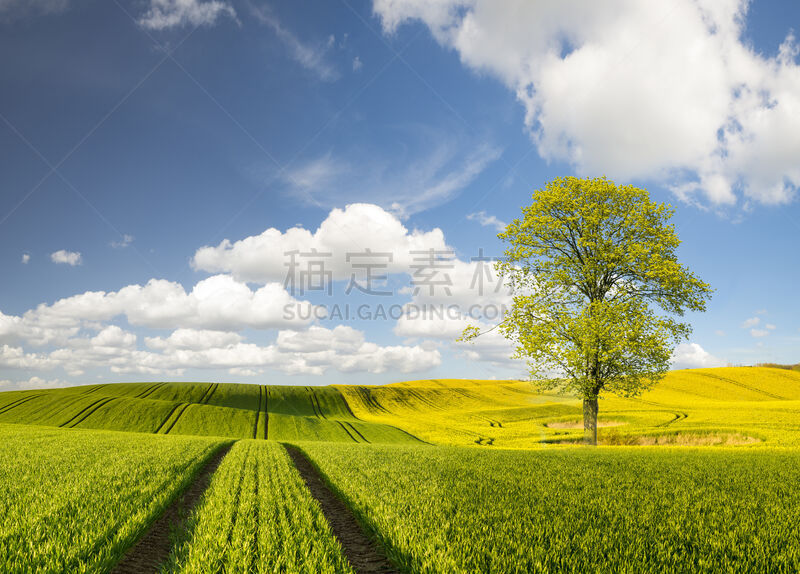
205,327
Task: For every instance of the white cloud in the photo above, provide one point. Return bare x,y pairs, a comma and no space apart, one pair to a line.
194,340
751,322
32,383
312,58
667,92
770,326
165,14
218,302
439,169
357,227
759,332
693,356
72,258
123,242
487,220
719,333
357,64
25,258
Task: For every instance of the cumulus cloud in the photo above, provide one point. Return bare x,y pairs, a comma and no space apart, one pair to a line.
357,64
693,356
165,14
72,258
487,220
342,348
354,229
219,302
758,333
666,92
26,258
751,322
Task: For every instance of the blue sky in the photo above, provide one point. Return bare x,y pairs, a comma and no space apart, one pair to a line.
160,157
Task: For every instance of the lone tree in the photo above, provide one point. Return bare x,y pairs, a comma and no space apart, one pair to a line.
596,286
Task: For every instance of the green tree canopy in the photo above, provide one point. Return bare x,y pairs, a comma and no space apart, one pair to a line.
597,288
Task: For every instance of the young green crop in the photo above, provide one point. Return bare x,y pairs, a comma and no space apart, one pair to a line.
74,500
442,510
257,516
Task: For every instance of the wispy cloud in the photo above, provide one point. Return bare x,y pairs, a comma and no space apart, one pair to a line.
122,243
165,14
403,185
72,258
751,322
25,258
19,8
312,58
487,220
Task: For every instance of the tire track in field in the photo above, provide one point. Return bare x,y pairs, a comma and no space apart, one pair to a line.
364,554
266,412
315,404
742,385
18,402
175,408
151,390
207,393
347,431
82,411
153,548
258,412
211,392
352,414
178,415
91,412
355,430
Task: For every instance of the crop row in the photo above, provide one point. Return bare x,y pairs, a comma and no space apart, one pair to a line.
257,516
442,510
74,500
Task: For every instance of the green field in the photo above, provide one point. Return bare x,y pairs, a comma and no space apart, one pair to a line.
697,475
74,500
605,510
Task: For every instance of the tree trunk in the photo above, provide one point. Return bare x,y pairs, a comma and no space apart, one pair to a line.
590,421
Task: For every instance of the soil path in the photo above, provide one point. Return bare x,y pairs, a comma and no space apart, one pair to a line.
363,554
152,549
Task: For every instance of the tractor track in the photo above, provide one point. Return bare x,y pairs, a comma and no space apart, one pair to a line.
266,412
344,428
149,391
82,411
178,415
258,412
98,406
152,549
364,554
18,402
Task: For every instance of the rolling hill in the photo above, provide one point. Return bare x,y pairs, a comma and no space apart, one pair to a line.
741,405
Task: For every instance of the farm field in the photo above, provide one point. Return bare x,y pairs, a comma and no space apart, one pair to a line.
447,475
257,516
74,500
745,405
587,510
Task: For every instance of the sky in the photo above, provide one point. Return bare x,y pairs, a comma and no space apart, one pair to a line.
309,192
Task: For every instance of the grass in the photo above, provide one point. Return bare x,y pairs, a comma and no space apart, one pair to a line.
441,510
257,516
74,500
